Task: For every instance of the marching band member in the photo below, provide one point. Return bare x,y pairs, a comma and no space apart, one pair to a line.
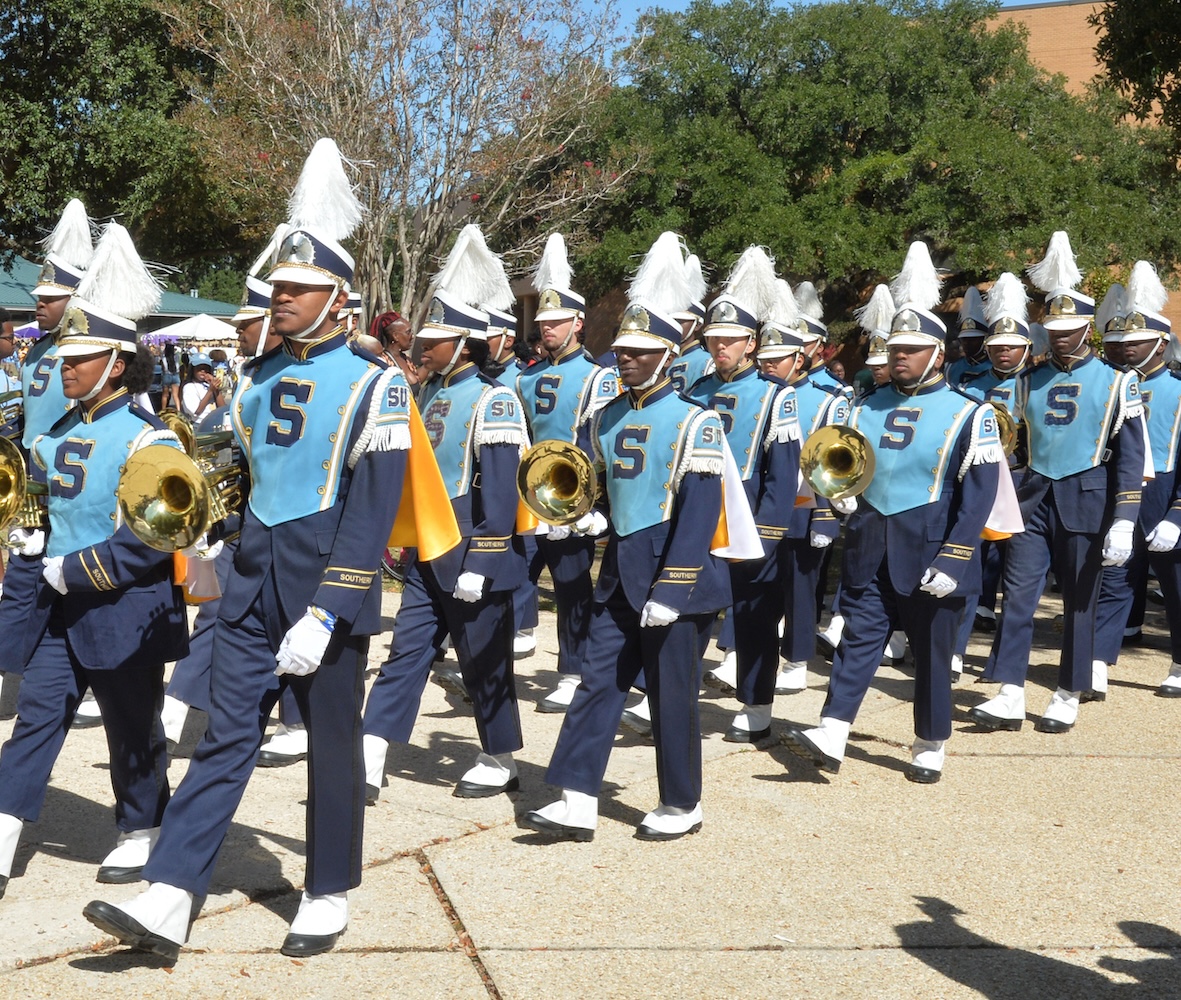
105,614
970,331
559,396
760,417
658,590
325,434
909,545
814,333
694,361
1140,343
478,436
1079,497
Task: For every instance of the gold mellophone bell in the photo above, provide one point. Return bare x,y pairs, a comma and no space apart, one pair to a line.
837,461
557,482
22,503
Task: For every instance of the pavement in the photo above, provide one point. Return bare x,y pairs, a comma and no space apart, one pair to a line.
1040,866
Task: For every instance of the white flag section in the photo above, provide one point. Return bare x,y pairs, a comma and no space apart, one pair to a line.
1005,516
743,537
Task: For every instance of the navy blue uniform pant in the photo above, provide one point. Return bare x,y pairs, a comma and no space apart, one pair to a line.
871,614
758,599
569,561
243,691
1077,560
617,649
482,636
130,698
803,586
525,596
1122,585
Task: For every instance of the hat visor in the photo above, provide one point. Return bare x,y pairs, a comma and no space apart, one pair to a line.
548,314
778,351
1066,322
911,339
640,342
1138,336
52,291
82,347
727,330
304,276
246,315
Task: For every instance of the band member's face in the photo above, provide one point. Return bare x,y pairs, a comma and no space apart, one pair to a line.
81,375
437,354
729,352
7,341
782,367
248,334
880,373
554,332
688,332
49,311
1137,352
908,363
1005,356
1064,343
971,346
500,346
636,365
295,307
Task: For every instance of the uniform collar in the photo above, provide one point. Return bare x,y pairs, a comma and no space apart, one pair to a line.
119,398
1156,370
931,385
572,350
1073,363
305,350
460,373
647,397
800,377
744,370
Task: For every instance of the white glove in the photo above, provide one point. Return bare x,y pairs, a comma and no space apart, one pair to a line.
303,646
54,573
846,506
469,587
1163,538
1117,546
937,584
201,549
819,540
591,525
557,532
657,615
27,542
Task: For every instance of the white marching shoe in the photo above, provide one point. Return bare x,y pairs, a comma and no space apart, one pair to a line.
524,644
373,749
1005,711
824,745
724,677
638,718
926,761
87,714
1061,714
957,667
288,746
793,678
895,651
173,716
490,775
830,637
750,725
10,835
126,862
317,926
560,698
1098,689
1170,687
156,921
669,823
573,817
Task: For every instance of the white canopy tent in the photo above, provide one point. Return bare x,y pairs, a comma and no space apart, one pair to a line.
199,327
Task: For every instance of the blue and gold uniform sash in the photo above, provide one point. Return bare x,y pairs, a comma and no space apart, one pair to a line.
1160,395
82,456
646,447
293,415
44,399
915,441
1073,413
559,397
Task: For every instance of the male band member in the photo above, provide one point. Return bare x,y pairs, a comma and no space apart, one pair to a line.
908,547
971,329
1079,497
658,590
694,361
559,397
325,433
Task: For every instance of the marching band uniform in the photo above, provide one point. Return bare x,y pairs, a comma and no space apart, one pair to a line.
559,396
970,330
1086,465
690,367
658,591
908,547
105,614
478,435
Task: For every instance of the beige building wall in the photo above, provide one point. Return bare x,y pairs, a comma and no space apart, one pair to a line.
1060,39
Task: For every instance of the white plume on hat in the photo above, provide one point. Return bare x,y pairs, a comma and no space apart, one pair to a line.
752,281
1057,270
1113,305
785,312
695,278
118,281
661,280
809,302
323,199
553,270
1145,291
1007,297
918,283
70,240
267,257
473,273
876,314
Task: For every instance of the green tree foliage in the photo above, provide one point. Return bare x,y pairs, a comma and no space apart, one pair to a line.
88,94
837,134
1140,46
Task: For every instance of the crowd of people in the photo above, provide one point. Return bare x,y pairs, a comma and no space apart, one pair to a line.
728,463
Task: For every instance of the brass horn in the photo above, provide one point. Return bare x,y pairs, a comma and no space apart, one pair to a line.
1006,427
557,482
837,461
163,498
22,502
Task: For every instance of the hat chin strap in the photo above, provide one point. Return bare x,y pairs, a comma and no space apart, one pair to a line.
450,366
1018,366
922,379
655,376
306,334
101,383
265,332
1073,356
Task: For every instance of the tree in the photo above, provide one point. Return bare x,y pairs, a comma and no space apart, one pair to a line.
452,111
836,134
1140,45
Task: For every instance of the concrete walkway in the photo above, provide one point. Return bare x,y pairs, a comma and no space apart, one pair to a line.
1040,866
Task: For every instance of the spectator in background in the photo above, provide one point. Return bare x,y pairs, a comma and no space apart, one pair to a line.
171,378
392,330
8,359
203,392
837,370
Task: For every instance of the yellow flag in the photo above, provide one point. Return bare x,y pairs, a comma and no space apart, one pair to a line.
425,518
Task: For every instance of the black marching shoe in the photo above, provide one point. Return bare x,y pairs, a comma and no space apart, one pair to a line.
451,681
799,743
306,945
736,735
129,931
535,821
474,790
